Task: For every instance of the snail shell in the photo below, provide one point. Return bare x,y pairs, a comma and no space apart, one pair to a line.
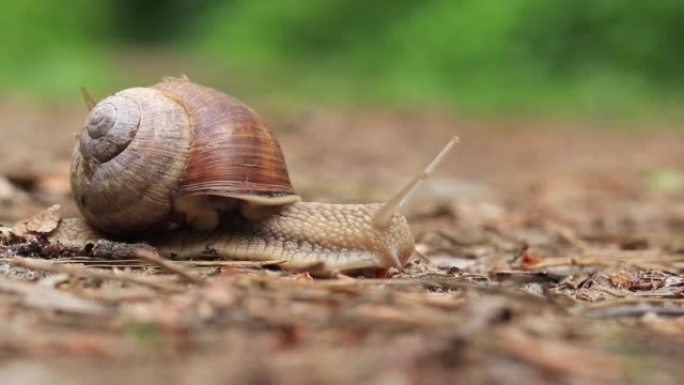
157,157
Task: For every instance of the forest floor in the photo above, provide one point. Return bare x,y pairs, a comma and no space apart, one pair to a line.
547,252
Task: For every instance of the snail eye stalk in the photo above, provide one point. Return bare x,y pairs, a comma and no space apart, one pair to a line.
382,217
88,99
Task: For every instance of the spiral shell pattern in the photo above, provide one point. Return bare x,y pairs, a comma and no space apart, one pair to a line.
131,154
143,148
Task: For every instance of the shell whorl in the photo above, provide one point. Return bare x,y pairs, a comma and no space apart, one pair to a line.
110,127
131,154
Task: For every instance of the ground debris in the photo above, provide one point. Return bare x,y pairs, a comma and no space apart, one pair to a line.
45,297
526,273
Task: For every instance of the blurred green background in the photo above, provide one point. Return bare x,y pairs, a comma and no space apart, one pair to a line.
579,57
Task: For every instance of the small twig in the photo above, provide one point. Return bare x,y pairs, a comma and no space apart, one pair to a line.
119,250
152,256
85,272
90,261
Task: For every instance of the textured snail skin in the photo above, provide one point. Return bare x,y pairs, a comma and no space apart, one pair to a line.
322,238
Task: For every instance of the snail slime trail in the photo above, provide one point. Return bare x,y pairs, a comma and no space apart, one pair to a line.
170,162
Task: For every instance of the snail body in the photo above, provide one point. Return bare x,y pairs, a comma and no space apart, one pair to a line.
197,172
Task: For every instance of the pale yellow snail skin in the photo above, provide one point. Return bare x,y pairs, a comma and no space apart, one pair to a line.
322,238
212,212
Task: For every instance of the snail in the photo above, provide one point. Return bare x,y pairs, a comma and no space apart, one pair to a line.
196,172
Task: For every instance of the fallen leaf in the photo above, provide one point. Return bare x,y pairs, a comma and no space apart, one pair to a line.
42,223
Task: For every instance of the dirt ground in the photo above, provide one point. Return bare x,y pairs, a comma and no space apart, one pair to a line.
547,252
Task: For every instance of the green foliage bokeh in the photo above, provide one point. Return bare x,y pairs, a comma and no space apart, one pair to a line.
491,56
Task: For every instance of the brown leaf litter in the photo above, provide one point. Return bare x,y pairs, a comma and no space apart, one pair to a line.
564,271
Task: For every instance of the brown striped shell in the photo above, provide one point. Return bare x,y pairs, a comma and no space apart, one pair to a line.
150,158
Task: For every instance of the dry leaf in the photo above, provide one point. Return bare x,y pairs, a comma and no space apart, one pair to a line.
44,222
